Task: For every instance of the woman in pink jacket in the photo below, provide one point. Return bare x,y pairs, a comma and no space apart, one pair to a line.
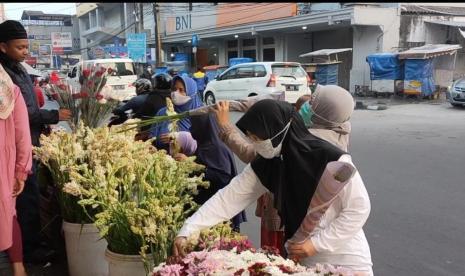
15,165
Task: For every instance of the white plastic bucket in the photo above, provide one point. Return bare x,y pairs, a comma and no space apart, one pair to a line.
85,250
126,265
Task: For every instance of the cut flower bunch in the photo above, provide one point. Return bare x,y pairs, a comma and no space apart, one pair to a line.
92,104
221,251
137,197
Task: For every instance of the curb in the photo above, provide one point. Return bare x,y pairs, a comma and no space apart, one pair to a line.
363,106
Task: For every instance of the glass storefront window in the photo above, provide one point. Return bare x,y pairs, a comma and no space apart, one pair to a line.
232,54
268,40
269,54
232,43
248,42
249,54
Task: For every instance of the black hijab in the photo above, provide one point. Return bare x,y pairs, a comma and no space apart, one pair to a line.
294,176
211,151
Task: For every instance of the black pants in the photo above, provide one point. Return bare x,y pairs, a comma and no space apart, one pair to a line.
27,208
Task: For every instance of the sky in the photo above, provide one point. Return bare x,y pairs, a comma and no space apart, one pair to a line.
15,10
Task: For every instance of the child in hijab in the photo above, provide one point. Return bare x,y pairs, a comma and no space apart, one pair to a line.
220,167
296,167
15,165
184,98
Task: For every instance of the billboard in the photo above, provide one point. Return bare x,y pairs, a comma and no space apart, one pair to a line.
35,45
62,42
45,52
137,47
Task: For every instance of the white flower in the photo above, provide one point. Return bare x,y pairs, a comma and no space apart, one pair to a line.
72,188
102,101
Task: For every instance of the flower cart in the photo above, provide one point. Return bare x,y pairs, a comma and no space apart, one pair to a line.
386,72
324,69
427,67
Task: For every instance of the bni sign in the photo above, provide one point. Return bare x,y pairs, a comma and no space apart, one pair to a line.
137,47
62,43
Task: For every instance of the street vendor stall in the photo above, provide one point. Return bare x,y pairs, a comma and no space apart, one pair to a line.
386,72
428,68
324,67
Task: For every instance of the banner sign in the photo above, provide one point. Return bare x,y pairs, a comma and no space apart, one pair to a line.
137,47
44,54
62,43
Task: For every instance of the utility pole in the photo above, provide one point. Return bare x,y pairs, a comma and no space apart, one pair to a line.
156,18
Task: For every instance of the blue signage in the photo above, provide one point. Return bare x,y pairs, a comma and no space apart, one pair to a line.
137,47
195,40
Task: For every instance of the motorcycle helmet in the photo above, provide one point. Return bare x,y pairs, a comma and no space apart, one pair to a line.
162,81
143,86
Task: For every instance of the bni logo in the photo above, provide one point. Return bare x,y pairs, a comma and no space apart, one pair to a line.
183,22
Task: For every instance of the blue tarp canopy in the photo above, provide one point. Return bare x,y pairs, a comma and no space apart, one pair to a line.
421,70
385,66
235,61
326,74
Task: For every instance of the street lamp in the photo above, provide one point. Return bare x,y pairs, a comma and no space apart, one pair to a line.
236,36
304,27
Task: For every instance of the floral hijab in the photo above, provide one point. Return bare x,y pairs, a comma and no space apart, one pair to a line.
7,101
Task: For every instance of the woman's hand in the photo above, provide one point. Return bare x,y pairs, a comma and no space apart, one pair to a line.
18,187
178,246
180,157
166,138
300,250
222,113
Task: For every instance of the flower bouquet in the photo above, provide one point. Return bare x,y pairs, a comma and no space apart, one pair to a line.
220,251
245,263
95,104
65,95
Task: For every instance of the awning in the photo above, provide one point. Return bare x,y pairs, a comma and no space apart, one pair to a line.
459,24
429,51
326,52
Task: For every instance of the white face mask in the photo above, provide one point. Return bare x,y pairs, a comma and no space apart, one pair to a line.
178,98
265,148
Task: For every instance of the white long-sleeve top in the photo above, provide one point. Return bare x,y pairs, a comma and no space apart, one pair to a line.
339,238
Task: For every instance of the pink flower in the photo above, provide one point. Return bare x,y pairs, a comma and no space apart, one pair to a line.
99,97
171,270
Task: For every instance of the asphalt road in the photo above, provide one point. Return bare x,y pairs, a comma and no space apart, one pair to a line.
411,158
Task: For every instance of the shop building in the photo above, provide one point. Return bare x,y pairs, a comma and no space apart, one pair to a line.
40,26
281,32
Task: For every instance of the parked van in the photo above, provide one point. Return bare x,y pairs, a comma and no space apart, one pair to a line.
120,81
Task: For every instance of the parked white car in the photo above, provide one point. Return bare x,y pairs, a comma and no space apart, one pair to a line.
120,82
257,78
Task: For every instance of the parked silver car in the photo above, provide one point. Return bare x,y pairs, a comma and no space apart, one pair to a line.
456,93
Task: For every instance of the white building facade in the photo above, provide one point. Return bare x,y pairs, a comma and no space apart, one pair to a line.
282,32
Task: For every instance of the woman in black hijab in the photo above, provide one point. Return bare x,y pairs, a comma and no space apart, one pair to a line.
290,164
218,160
